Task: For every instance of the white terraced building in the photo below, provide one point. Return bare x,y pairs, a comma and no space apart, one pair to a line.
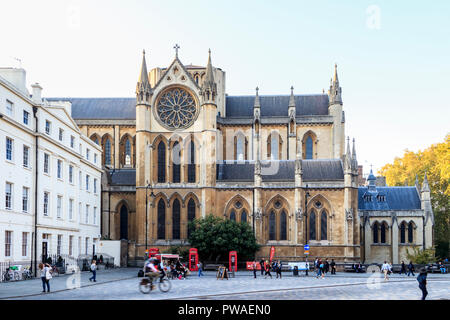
56,197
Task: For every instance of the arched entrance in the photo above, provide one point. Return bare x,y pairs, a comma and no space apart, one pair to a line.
123,222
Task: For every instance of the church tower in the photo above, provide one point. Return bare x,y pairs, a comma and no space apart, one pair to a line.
335,109
425,197
292,127
209,109
143,105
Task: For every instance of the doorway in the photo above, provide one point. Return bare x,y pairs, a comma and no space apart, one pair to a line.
123,223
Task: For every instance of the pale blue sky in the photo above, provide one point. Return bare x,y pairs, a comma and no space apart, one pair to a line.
395,79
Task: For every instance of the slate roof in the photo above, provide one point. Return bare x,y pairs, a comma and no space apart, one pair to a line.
283,170
236,171
101,108
397,198
276,105
122,177
236,106
322,170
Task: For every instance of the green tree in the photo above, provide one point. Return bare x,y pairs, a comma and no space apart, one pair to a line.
434,160
421,256
214,237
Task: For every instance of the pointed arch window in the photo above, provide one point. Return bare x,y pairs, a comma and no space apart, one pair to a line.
161,219
176,219
312,225
274,146
410,232
108,152
309,148
191,214
191,164
244,216
383,233
283,226
323,226
402,233
239,147
176,163
161,162
128,148
272,226
375,233
232,215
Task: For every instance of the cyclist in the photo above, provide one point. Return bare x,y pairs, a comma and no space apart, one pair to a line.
151,271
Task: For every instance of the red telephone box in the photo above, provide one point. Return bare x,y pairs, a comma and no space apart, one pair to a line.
152,252
193,259
233,261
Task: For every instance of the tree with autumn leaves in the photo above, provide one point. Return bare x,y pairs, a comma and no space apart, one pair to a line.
435,161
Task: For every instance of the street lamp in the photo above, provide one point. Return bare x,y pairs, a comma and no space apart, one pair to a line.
152,195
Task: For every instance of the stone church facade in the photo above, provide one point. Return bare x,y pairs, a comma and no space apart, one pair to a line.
183,149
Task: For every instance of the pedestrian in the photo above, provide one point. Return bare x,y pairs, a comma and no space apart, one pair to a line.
94,271
319,271
403,269
386,270
322,269
316,263
327,266
422,279
333,266
267,270
200,269
410,268
45,276
279,269
442,267
261,263
254,269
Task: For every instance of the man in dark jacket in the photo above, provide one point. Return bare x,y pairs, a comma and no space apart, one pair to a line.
262,266
422,278
278,269
403,269
410,268
333,266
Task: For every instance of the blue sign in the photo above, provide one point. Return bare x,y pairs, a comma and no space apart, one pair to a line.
306,247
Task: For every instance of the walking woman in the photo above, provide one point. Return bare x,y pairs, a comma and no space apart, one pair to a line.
386,268
45,276
267,270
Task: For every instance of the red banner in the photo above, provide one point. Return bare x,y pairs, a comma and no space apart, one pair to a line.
272,253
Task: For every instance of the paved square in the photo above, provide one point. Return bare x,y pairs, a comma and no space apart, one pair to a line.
123,284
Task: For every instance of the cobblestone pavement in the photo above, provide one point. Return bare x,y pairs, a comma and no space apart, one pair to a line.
118,285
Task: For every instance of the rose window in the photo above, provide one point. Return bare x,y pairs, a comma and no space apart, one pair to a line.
176,109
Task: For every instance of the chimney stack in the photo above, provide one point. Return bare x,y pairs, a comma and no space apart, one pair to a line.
37,93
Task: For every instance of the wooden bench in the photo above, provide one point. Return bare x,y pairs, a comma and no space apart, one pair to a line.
212,267
349,268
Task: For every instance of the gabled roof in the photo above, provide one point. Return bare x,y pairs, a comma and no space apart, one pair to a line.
170,67
396,198
276,105
236,106
101,108
282,170
322,170
122,177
